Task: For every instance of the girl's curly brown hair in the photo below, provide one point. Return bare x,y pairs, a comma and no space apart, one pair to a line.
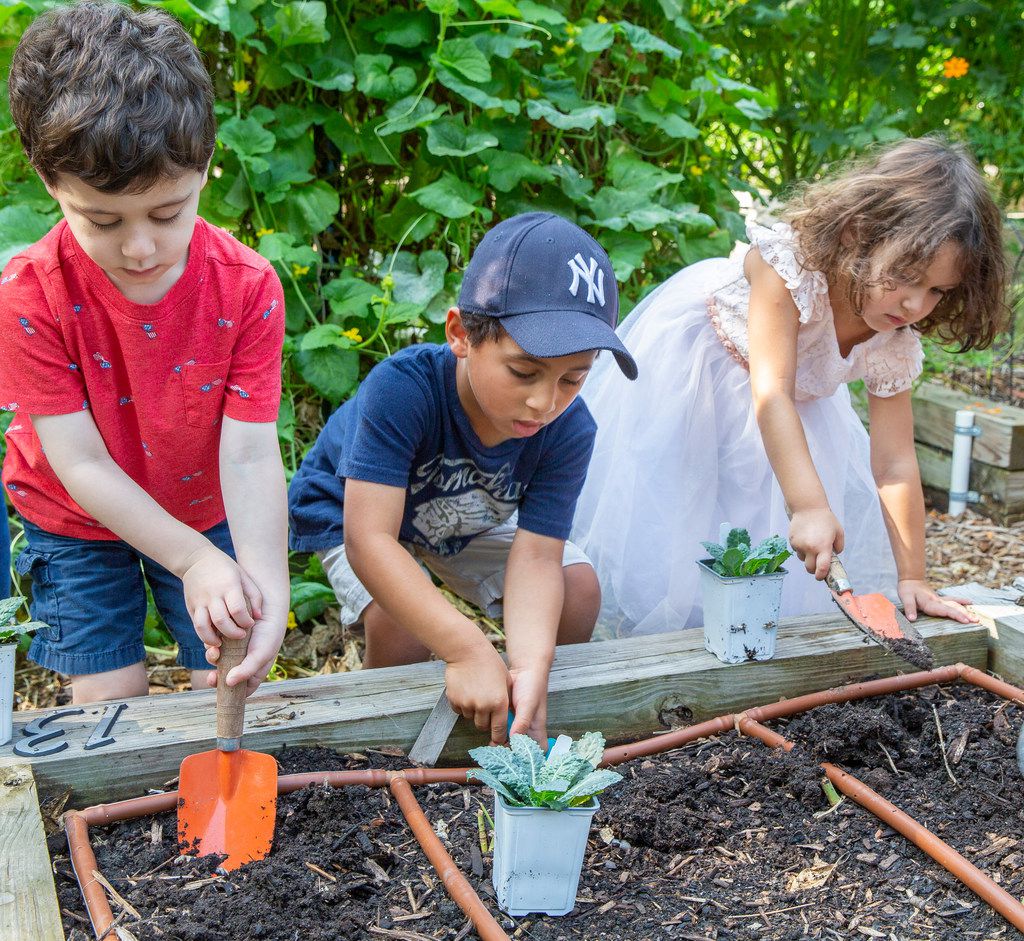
885,216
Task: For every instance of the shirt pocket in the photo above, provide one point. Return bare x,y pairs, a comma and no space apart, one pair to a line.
202,386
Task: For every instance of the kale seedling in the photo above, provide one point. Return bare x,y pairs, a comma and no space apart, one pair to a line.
733,557
568,777
10,631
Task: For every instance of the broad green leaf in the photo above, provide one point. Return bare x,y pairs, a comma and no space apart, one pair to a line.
408,222
576,186
463,56
350,297
443,7
325,335
596,37
505,171
405,28
626,251
246,136
737,537
327,73
409,113
331,371
417,281
560,775
631,173
310,208
292,121
583,118
732,559
302,21
20,227
752,109
504,765
534,12
310,599
504,45
473,93
376,79
280,248
449,197
643,40
499,7
449,137
672,124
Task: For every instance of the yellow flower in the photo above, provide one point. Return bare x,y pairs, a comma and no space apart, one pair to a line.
247,57
241,87
292,623
558,50
299,270
353,335
602,19
532,91
696,171
955,67
261,232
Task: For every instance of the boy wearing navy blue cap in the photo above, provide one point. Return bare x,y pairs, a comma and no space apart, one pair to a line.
466,460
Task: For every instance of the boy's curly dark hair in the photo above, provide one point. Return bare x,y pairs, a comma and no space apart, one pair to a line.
116,97
884,218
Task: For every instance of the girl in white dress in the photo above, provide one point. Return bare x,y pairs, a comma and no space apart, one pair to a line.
742,408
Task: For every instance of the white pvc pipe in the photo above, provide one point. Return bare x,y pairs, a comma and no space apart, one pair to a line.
960,474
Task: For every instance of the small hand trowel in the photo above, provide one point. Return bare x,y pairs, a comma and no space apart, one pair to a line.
228,797
879,619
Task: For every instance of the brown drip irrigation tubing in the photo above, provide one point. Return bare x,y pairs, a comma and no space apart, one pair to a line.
939,850
461,892
749,723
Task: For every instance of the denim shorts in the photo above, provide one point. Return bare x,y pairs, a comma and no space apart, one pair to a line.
92,595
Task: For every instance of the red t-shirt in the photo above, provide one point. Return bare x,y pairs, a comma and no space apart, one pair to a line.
156,377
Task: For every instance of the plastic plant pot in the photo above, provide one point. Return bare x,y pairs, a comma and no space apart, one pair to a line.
741,614
538,855
6,691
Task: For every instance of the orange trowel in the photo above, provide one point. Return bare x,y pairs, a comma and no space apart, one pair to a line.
227,798
879,619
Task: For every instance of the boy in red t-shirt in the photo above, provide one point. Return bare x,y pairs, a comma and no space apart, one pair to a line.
141,354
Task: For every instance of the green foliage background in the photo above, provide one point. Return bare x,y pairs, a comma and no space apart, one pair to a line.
364,147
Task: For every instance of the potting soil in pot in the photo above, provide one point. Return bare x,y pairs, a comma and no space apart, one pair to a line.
718,840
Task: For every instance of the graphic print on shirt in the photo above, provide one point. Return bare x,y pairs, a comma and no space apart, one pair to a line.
180,366
29,329
147,328
468,501
8,278
242,394
221,322
270,309
102,360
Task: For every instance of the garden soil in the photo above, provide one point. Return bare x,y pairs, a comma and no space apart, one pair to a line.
723,839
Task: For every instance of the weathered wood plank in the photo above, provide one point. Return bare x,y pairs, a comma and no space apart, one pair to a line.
626,688
1001,490
28,899
1001,442
1004,620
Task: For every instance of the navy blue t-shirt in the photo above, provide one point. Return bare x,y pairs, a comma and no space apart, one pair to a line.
405,427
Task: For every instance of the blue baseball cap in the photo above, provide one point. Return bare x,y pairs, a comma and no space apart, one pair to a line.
550,284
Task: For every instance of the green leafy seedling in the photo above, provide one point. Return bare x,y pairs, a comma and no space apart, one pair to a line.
733,556
567,777
10,631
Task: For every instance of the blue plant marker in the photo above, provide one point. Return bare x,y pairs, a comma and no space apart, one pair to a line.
508,729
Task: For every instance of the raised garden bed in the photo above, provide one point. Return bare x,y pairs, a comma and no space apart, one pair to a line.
723,838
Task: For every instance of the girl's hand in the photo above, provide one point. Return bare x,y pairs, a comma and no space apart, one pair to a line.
919,597
815,535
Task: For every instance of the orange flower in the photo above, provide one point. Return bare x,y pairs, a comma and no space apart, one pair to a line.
955,67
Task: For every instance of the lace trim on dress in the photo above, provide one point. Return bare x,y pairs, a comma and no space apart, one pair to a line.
730,346
895,366
778,246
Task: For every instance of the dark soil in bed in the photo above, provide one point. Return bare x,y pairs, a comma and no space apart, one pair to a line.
724,839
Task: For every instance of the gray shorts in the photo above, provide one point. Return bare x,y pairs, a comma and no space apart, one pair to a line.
477,573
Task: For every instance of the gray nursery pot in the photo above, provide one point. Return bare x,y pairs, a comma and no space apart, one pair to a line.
741,614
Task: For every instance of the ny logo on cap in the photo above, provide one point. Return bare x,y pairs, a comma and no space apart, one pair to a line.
595,285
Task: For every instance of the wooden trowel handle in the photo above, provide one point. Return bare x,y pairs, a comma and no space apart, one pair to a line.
837,579
230,699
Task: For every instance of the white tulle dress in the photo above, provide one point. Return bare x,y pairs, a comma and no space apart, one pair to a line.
678,451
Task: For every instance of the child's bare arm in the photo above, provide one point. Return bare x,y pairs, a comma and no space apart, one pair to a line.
898,478
534,597
216,589
253,486
476,677
772,329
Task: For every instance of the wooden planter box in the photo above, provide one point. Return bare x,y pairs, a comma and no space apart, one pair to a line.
997,459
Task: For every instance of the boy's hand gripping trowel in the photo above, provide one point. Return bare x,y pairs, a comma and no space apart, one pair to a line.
879,619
